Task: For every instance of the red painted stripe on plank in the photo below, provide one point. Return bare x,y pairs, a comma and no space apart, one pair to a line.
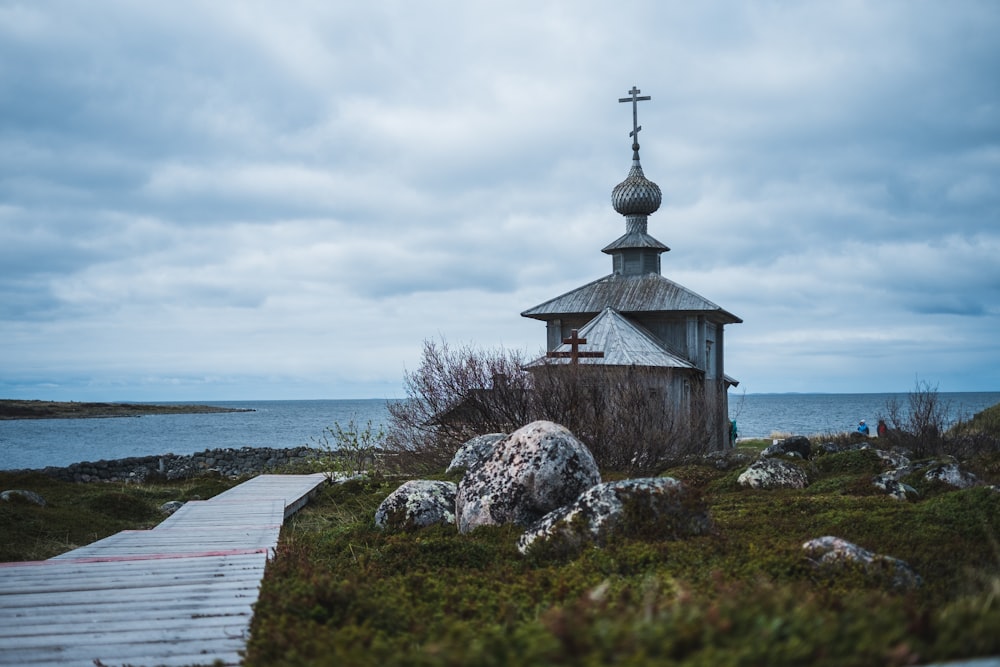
113,559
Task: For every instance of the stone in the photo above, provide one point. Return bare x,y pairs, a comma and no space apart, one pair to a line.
474,451
724,459
836,553
536,469
797,445
774,474
417,504
890,484
894,461
655,508
171,506
952,475
20,494
836,447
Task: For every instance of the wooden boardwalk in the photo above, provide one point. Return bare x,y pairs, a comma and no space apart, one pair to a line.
179,594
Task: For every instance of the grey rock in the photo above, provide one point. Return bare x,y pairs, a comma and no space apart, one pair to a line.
894,461
658,508
834,552
474,451
417,504
773,474
795,446
536,469
836,448
892,486
29,496
952,475
724,459
171,506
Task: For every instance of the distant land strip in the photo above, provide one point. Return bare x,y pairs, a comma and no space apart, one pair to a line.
18,409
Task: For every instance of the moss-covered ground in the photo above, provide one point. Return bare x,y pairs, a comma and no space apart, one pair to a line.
341,592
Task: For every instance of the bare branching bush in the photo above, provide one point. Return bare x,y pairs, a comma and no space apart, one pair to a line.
455,395
922,426
623,416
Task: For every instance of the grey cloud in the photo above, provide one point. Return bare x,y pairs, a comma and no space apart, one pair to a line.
293,177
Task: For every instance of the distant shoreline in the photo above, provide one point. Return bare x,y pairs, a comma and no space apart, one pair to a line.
34,409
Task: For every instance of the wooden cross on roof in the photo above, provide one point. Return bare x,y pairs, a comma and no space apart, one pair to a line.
574,354
635,99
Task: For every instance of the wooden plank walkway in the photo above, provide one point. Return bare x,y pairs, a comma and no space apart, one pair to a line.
181,593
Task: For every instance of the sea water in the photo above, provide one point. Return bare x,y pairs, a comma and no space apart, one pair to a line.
37,443
776,415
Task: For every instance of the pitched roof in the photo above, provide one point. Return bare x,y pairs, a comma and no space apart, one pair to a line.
623,343
645,293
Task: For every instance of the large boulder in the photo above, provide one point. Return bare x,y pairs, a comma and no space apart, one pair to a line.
417,504
797,445
774,474
474,451
655,508
839,554
536,469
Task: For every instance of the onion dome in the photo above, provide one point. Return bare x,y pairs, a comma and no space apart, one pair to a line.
636,195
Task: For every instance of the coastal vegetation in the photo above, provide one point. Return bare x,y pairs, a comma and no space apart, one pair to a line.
342,591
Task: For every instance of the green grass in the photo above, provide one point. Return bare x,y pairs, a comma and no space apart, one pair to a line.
78,514
342,592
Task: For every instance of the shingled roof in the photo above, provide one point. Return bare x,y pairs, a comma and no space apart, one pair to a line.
622,343
647,293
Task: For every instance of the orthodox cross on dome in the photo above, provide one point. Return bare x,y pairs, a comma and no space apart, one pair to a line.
635,99
574,354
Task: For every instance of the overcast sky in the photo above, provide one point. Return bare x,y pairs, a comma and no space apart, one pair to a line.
264,200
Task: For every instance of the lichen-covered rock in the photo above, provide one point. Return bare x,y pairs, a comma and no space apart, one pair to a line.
773,474
171,506
656,508
797,445
834,552
891,485
417,504
894,461
837,447
724,459
536,469
21,494
952,475
474,451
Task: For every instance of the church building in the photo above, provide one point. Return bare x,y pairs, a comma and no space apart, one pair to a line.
636,319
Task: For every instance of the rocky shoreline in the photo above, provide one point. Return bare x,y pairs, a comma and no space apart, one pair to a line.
33,409
225,462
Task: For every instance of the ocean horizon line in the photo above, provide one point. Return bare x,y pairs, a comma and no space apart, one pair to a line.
208,401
